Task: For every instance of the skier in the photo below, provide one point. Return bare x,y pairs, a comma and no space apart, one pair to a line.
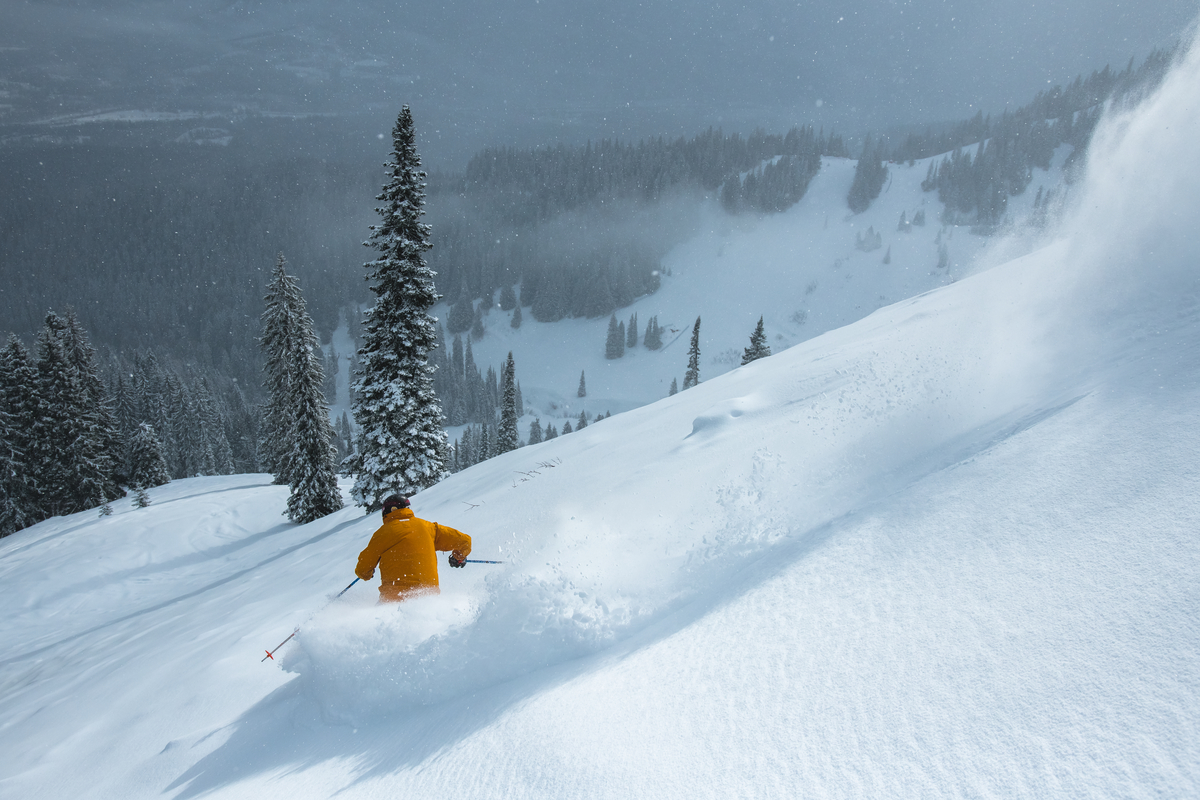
405,550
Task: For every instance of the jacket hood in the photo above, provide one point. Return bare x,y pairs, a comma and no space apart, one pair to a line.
398,514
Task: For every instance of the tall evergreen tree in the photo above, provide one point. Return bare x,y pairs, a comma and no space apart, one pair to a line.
345,436
631,332
674,390
331,371
508,298
148,467
70,466
19,409
535,431
280,338
185,456
462,314
653,337
311,469
509,437
516,318
758,345
101,423
582,390
692,376
869,176
483,444
614,345
477,328
215,444
401,443
127,416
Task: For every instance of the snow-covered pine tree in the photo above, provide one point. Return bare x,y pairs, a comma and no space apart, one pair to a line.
581,423
212,432
492,393
401,441
692,376
484,448
551,432
566,427
869,176
279,339
582,390
508,298
125,411
184,430
535,431
331,371
674,388
19,411
614,344
71,475
516,318
508,438
310,464
345,436
653,338
147,466
758,345
105,439
466,453
631,332
462,314
456,358
150,391
477,328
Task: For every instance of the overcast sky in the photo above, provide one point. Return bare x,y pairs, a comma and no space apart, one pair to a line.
526,72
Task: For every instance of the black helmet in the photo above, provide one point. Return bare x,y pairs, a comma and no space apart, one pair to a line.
393,501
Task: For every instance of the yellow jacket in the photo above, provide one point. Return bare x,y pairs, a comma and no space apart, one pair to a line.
405,550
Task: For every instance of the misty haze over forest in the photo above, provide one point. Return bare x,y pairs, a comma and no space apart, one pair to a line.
156,157
537,72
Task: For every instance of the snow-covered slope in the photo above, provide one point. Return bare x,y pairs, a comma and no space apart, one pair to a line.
948,550
800,270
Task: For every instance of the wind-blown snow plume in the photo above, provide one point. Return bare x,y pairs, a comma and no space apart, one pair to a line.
1133,231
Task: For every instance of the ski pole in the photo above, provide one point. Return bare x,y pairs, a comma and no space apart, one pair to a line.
271,653
479,561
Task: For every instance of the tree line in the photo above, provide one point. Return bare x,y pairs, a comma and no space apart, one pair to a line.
975,186
77,433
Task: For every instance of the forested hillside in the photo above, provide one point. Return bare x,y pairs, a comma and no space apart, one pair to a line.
168,246
161,251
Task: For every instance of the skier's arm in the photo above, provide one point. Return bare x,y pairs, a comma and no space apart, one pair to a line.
449,539
369,557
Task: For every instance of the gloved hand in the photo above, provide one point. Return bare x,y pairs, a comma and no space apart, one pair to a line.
456,561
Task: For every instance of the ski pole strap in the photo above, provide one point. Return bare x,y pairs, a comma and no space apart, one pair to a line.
480,561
